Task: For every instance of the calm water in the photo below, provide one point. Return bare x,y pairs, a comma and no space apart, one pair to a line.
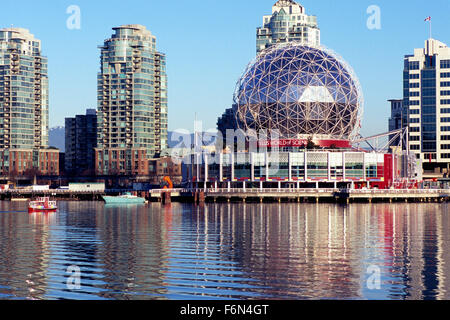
226,251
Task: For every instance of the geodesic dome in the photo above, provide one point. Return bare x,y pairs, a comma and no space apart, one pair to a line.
300,91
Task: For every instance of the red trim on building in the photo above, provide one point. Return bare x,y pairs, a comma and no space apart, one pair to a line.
326,143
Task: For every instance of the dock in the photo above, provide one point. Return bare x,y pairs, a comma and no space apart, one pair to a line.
301,195
167,196
63,194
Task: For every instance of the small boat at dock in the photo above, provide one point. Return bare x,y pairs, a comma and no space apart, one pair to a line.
42,205
126,198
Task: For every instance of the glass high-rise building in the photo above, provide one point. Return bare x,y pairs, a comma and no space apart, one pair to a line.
24,107
24,99
132,102
426,102
288,22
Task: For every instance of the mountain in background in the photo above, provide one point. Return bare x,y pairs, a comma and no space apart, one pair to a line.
57,138
181,140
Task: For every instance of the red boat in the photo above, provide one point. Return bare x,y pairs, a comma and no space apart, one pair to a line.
42,205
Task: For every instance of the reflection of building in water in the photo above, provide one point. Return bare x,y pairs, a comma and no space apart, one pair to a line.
133,252
443,239
412,256
24,253
294,251
323,251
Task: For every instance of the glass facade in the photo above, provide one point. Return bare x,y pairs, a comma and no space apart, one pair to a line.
24,101
425,108
287,23
132,94
428,83
299,91
290,167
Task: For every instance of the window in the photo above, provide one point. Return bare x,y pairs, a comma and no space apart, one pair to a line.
445,84
445,64
414,138
445,93
429,146
446,119
429,119
429,101
429,92
445,146
445,74
415,147
445,137
414,129
445,110
414,120
445,101
445,156
414,65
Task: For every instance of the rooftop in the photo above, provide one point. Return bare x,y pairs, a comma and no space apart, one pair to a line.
285,3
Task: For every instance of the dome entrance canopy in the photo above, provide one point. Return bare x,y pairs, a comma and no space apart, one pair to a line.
299,90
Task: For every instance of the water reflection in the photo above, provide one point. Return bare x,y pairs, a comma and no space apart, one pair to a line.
24,252
243,251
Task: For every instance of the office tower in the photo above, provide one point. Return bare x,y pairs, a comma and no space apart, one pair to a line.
288,22
426,101
81,141
24,105
397,118
132,102
228,121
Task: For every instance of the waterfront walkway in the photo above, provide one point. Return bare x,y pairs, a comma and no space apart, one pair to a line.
62,194
247,195
302,195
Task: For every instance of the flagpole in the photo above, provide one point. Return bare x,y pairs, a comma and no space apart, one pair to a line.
430,30
429,20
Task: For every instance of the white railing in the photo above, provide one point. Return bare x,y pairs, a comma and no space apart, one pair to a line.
399,191
309,191
58,191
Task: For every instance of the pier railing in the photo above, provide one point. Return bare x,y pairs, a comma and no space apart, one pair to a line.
311,191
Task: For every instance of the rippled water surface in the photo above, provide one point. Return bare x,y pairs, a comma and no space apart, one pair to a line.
226,251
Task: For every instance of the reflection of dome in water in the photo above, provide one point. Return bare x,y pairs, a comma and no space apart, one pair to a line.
299,90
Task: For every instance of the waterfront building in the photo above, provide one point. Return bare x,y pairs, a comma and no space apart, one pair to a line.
312,100
132,102
307,92
426,101
288,22
24,106
81,141
308,168
163,168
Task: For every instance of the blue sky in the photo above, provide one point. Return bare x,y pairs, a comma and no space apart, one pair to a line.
209,43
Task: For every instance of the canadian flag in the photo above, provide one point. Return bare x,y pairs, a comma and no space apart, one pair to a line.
428,19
